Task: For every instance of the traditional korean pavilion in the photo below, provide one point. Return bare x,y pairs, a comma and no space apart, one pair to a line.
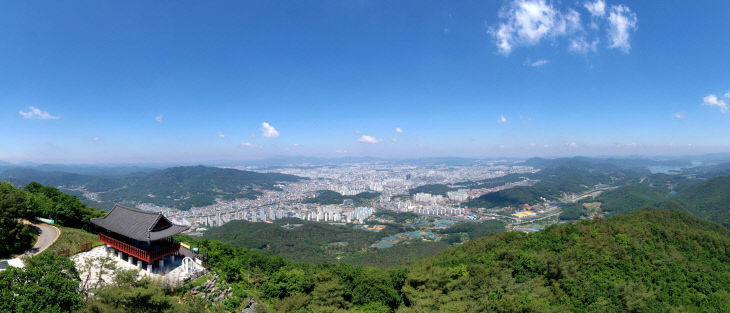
144,237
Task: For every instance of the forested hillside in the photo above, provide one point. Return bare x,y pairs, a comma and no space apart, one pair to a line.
36,200
333,197
709,199
312,242
565,177
649,261
434,189
179,187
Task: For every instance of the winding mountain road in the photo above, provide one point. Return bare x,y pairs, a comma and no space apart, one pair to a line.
47,235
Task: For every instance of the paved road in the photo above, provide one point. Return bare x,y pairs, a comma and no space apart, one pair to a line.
46,236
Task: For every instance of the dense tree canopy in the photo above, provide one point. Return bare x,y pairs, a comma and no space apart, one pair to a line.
333,197
649,261
36,200
15,237
48,283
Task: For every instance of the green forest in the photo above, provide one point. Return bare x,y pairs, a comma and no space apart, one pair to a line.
647,261
36,200
708,199
312,242
562,176
179,187
333,197
434,189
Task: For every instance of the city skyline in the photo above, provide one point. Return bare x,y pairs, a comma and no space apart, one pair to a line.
149,83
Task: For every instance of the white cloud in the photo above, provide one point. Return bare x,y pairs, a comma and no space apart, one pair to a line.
399,130
597,8
368,139
268,131
713,101
524,23
571,144
679,115
340,151
502,119
529,22
537,63
158,118
621,22
580,45
393,140
34,113
221,134
727,94
248,145
95,139
532,145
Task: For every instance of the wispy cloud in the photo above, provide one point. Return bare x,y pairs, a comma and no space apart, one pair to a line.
571,144
268,130
34,113
621,22
502,119
713,101
159,118
95,139
248,145
580,45
679,115
368,139
399,130
528,22
596,8
537,63
220,134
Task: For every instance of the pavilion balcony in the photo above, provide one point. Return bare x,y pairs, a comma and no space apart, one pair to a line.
157,251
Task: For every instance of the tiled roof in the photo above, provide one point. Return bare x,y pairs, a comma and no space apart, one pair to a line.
138,224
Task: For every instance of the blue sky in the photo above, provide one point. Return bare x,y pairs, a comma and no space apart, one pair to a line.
194,81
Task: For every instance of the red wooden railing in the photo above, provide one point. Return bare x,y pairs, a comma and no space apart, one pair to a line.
138,253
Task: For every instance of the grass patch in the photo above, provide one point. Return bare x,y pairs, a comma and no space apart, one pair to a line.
72,239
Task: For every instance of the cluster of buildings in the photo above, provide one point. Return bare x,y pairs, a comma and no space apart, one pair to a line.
339,214
392,181
428,198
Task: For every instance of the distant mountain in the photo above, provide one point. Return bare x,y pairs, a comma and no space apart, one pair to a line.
23,176
96,170
711,170
709,200
179,187
557,177
621,163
